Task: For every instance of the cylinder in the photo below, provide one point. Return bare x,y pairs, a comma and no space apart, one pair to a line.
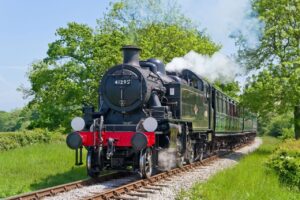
131,55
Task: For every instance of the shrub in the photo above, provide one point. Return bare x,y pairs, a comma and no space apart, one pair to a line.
285,161
11,140
287,133
279,123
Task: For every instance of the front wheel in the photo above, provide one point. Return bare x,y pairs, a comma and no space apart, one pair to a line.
93,163
146,163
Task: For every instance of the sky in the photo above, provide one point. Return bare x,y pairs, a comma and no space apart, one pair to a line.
27,27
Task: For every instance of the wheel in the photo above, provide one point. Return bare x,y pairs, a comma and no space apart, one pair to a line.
190,154
201,153
146,163
179,161
93,163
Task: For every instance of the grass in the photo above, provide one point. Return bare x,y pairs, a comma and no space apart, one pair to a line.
37,166
249,180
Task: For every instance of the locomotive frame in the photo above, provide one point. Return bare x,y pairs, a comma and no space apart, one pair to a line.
145,111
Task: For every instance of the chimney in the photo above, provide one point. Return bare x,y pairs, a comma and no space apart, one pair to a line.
131,55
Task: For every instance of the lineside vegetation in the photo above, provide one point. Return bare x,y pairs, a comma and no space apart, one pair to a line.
251,179
37,166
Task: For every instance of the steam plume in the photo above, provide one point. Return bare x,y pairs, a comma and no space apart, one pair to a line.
217,67
167,159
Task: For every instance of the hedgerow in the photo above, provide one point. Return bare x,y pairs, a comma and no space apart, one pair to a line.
285,161
12,140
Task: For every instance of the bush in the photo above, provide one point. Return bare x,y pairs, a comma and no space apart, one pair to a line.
285,161
278,125
247,180
12,140
287,133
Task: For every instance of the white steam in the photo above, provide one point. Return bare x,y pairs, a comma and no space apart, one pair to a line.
217,67
167,159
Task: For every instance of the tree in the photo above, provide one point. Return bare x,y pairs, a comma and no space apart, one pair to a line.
136,14
4,118
17,119
232,89
276,88
69,76
156,42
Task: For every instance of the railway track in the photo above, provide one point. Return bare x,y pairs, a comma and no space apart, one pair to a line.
141,188
130,191
52,191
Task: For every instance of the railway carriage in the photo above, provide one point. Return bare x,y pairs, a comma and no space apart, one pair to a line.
146,114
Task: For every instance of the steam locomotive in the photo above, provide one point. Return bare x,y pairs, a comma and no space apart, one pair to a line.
146,115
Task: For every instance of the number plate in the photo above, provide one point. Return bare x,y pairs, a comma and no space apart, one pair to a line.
123,82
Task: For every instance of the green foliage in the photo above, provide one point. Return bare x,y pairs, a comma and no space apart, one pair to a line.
250,179
276,88
12,140
37,166
285,161
7,120
287,133
277,125
18,119
156,42
69,76
231,89
132,15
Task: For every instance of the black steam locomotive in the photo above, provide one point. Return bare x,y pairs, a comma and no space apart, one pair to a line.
147,115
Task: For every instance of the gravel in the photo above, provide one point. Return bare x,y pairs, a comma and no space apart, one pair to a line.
203,173
174,184
88,191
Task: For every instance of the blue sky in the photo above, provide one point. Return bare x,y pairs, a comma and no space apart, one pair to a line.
26,28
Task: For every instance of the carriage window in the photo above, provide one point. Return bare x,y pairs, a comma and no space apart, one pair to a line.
196,83
207,91
230,108
223,104
200,85
233,110
219,104
226,106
